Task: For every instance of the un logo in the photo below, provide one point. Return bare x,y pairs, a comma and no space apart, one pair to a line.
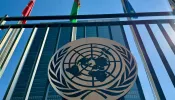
92,68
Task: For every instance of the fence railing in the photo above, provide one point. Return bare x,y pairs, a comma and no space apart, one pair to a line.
132,23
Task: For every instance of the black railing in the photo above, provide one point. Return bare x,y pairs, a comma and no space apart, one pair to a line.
150,14
89,23
64,17
133,23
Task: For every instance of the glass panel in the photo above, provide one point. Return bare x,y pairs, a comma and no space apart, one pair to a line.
80,33
142,75
40,83
103,32
117,34
52,95
91,31
161,72
65,36
24,78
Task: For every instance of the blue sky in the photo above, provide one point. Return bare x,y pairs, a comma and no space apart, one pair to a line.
63,7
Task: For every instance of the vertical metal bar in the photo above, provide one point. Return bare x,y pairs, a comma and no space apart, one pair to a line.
110,32
73,31
124,37
168,39
85,31
161,54
145,59
172,25
97,30
150,70
137,80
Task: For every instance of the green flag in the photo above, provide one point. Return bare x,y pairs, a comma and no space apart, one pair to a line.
74,12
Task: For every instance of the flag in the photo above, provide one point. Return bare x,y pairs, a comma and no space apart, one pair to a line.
127,7
75,8
27,10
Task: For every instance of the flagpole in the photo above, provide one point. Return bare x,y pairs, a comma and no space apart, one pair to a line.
142,56
74,12
74,31
3,41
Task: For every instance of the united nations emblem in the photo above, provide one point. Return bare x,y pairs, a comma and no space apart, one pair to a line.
92,68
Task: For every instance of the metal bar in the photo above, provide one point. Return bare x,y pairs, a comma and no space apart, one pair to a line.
137,80
97,32
89,16
58,36
110,32
161,54
134,32
150,69
124,37
168,39
40,25
172,25
84,31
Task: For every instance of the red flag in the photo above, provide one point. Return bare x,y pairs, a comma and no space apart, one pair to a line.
26,12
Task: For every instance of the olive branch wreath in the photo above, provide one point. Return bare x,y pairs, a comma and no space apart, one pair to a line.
58,82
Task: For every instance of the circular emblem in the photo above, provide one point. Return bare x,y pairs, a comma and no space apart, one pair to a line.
92,68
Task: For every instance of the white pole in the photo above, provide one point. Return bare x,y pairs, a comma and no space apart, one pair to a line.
9,48
74,31
142,57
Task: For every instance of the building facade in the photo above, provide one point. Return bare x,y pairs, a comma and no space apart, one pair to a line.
31,78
